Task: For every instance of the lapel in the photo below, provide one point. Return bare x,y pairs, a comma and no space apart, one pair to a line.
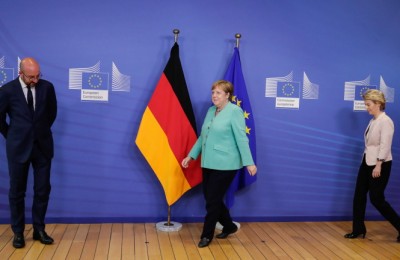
372,125
20,95
367,130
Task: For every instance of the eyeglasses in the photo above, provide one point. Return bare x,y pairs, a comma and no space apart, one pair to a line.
37,77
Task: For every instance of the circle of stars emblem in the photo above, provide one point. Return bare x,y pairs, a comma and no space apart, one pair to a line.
95,81
288,90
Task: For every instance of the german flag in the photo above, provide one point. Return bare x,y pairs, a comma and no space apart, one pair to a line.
167,132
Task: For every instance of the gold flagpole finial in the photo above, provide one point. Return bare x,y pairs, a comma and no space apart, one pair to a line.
176,32
238,36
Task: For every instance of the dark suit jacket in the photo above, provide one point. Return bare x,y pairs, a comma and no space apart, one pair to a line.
21,130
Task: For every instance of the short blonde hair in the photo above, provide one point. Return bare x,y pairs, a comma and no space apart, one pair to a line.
375,96
225,85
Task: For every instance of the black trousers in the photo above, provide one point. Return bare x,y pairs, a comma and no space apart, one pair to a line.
18,182
215,185
376,188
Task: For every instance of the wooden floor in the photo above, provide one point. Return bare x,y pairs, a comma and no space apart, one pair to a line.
262,240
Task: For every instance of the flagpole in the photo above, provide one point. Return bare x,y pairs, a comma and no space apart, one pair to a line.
218,225
238,36
176,32
170,225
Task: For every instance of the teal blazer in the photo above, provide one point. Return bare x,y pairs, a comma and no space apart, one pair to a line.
223,143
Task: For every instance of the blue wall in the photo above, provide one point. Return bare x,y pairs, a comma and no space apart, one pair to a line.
307,157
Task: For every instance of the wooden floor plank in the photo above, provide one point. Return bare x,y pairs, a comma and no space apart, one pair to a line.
128,241
259,240
241,247
89,248
189,243
103,244
140,241
153,246
301,237
328,247
290,240
266,235
177,246
166,249
65,243
78,242
115,251
255,243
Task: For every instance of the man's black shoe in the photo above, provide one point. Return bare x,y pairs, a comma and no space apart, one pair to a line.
223,234
19,241
43,237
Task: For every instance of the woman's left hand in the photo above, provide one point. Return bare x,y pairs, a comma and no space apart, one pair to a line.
252,169
376,173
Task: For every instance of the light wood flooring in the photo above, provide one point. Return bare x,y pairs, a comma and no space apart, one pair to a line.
261,240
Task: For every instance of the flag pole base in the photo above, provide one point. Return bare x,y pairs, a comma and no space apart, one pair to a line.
220,227
171,227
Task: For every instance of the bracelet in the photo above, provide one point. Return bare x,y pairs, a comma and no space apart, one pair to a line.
380,160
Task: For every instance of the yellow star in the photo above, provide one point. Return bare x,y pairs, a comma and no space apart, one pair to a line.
233,98
238,102
248,130
246,115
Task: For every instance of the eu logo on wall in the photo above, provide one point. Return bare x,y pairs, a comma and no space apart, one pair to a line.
6,74
287,95
354,90
287,92
94,84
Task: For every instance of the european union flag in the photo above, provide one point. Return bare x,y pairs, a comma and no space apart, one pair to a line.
234,74
6,75
360,90
94,81
288,89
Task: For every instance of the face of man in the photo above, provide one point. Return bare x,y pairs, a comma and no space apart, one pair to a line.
30,72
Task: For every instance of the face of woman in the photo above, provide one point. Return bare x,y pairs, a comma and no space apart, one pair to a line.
372,108
219,97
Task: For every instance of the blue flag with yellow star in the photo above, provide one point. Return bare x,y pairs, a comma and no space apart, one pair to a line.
234,74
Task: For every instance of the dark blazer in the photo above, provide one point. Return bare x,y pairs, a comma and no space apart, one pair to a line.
22,130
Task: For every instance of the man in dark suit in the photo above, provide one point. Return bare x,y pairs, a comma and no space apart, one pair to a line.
30,104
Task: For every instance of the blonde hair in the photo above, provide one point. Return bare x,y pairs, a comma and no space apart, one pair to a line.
375,96
225,85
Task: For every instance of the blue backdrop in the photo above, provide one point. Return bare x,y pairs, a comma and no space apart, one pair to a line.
308,156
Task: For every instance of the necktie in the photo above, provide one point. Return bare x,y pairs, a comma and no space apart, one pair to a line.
30,99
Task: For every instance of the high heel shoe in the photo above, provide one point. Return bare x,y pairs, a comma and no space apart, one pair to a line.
353,235
398,239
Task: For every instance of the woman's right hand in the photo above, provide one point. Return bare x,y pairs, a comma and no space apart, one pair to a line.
186,161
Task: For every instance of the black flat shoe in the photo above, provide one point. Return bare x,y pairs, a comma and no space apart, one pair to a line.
353,235
42,237
204,242
224,235
18,241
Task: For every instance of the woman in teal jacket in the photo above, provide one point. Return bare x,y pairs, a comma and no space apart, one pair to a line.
224,149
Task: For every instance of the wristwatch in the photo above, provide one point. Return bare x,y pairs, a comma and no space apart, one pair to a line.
380,160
